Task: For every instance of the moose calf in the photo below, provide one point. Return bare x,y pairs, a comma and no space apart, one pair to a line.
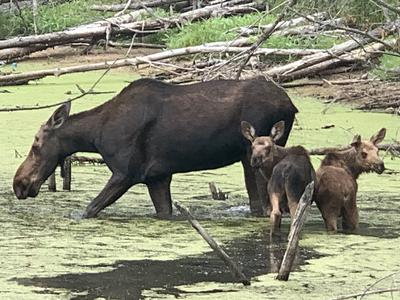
336,192
288,170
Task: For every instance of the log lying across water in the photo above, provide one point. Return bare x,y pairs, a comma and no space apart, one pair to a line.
236,271
314,151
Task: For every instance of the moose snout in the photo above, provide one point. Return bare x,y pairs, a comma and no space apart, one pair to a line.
379,168
23,188
256,162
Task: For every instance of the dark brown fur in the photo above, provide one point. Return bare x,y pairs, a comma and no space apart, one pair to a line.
152,130
336,192
288,170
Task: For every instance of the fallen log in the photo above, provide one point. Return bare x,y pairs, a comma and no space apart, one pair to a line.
294,235
334,57
367,293
135,45
308,29
288,69
251,30
395,146
12,53
11,79
119,25
236,271
137,5
325,82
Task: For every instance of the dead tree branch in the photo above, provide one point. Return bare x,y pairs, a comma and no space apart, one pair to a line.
236,271
263,37
386,5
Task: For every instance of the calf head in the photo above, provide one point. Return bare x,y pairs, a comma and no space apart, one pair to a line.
263,148
367,158
43,156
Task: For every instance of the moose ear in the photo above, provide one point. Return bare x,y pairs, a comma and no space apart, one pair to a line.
59,116
277,130
356,141
248,131
379,136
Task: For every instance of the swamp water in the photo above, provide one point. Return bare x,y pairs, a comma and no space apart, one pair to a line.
126,253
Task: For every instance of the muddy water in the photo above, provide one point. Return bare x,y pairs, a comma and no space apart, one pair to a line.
126,253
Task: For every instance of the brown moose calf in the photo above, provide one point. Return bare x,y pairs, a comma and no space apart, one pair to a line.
336,192
288,170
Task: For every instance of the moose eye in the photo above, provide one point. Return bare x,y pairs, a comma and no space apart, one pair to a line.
364,154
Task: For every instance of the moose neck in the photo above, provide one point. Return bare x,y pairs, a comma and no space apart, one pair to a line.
279,154
348,157
78,134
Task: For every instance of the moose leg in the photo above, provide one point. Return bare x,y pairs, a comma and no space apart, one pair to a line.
115,188
262,184
350,218
276,214
331,223
256,208
160,193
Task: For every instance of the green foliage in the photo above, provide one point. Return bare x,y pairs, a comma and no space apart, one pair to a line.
216,29
51,17
288,42
363,13
386,63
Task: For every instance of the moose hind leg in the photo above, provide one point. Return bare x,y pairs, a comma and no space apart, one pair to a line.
350,218
160,193
115,188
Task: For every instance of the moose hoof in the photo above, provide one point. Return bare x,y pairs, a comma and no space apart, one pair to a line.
164,215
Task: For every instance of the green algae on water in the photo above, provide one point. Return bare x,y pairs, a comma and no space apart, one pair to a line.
41,240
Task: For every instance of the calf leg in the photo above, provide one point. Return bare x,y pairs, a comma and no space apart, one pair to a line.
115,188
331,223
292,204
256,207
262,184
350,218
160,193
276,214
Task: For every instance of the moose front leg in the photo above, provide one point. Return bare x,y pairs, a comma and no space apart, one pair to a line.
160,194
115,188
256,207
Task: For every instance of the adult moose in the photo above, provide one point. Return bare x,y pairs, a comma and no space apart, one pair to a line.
152,130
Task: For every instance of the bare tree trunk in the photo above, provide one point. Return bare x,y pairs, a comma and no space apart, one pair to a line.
289,70
295,230
34,12
213,244
125,24
11,79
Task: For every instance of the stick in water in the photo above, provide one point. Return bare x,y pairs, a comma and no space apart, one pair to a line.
299,219
213,244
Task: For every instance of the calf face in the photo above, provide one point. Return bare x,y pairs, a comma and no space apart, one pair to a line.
367,158
263,148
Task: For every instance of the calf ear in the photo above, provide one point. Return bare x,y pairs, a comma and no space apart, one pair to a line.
248,131
277,130
59,116
356,141
379,136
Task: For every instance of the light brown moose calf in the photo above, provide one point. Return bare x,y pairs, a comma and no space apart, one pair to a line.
291,169
337,176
